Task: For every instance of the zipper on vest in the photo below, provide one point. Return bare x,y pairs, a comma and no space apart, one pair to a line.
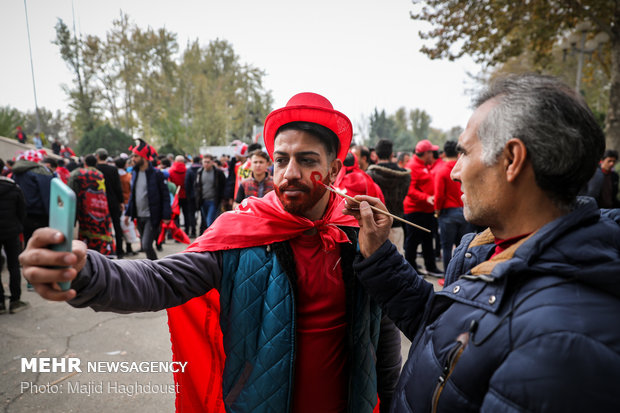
293,361
453,357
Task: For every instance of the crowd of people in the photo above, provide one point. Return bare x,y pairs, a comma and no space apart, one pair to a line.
295,298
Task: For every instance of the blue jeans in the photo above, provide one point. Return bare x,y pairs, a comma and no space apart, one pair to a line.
208,208
452,227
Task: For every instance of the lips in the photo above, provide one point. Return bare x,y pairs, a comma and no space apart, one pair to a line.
293,190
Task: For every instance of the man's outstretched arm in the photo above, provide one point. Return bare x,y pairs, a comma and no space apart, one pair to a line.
119,285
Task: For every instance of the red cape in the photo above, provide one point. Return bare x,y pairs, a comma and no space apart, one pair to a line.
194,326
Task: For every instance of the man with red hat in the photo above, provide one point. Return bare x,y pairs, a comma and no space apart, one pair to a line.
419,207
299,332
149,201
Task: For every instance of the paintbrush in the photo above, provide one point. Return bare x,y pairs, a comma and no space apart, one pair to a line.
330,188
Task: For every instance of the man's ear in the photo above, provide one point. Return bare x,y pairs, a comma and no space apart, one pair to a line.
334,169
515,158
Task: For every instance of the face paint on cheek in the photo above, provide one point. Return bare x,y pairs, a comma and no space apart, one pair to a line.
317,179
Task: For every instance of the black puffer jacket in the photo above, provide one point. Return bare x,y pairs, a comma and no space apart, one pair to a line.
12,208
394,183
535,329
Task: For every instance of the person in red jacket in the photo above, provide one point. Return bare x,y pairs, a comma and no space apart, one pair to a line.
177,176
448,204
419,206
354,181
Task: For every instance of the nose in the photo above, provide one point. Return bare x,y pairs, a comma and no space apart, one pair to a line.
455,175
292,172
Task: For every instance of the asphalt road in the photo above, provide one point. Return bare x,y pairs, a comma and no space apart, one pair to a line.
98,341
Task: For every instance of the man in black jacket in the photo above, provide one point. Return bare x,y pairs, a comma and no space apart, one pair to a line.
209,188
190,178
114,193
603,186
394,183
149,201
12,216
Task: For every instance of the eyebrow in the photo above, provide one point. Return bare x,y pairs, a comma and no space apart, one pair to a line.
304,153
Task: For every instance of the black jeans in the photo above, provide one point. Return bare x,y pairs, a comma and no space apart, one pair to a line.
118,231
147,236
12,248
414,236
187,207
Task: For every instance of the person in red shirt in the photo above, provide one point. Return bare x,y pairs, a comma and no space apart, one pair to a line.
62,172
448,204
419,208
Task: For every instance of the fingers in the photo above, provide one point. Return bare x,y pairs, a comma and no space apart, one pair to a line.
45,275
79,249
53,293
44,237
43,257
367,215
44,282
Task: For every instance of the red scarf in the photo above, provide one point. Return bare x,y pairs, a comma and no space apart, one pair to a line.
262,221
194,326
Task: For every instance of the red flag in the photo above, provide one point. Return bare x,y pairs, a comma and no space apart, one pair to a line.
176,232
176,209
196,338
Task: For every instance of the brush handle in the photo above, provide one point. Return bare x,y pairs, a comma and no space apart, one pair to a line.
376,209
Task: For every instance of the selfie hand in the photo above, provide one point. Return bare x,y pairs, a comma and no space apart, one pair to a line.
38,261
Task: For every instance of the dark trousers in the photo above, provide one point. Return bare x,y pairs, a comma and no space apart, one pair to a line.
187,207
147,236
12,249
389,362
118,230
32,223
414,236
452,226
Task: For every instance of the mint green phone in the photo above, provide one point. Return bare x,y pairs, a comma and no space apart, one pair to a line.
62,217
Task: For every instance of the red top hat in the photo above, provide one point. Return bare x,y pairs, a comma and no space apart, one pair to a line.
314,108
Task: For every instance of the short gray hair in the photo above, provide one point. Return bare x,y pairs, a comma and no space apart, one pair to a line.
563,140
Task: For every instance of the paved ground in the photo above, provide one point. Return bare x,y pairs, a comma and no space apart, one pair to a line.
56,330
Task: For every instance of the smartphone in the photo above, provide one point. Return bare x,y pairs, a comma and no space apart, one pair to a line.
62,217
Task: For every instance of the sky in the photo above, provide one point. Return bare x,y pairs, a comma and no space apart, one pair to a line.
361,54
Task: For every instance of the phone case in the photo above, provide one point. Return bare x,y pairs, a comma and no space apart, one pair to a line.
62,217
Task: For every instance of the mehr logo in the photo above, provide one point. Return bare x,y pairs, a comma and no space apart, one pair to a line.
51,365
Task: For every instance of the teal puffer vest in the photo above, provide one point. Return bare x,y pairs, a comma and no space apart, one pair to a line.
258,324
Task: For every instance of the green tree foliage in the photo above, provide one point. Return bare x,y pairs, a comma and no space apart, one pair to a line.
105,136
10,119
169,148
404,128
143,84
382,127
494,31
594,83
420,124
81,58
